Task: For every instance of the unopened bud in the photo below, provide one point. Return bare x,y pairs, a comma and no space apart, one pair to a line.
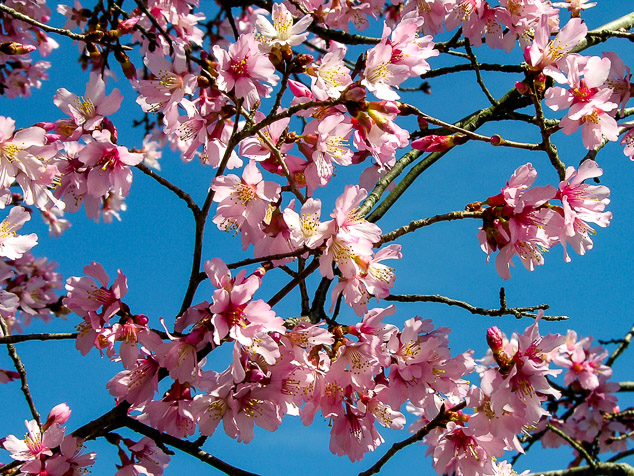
141,319
59,414
497,140
93,51
14,48
522,88
422,123
495,339
126,65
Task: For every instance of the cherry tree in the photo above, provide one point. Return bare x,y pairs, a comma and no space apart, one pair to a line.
273,162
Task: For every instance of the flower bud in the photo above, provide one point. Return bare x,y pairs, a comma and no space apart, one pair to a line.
495,339
497,140
522,88
59,414
13,48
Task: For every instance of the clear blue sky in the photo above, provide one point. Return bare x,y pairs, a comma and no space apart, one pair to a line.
152,245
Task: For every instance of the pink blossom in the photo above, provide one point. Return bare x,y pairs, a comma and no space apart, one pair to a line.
89,110
109,165
244,69
282,32
84,296
305,228
35,443
244,200
12,245
546,55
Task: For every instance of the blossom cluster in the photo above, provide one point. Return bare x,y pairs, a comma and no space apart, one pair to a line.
522,221
207,101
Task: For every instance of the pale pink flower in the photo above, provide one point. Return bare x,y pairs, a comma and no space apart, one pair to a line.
243,200
282,32
575,6
89,110
305,227
582,203
546,55
331,76
136,386
381,74
12,245
85,296
35,443
595,120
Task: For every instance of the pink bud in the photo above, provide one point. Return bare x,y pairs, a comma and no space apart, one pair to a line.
299,90
433,143
422,123
495,339
59,414
141,319
497,140
522,88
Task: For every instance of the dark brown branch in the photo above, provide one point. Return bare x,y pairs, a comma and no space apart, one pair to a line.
575,444
608,469
188,447
26,337
314,264
19,366
621,348
505,68
416,437
626,386
476,67
518,312
42,26
170,186
416,224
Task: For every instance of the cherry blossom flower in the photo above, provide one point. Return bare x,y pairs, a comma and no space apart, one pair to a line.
35,443
244,69
282,32
12,245
89,110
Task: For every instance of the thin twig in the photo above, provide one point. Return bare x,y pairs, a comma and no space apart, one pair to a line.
549,147
518,312
608,469
170,186
42,26
575,444
418,436
189,447
621,348
19,366
476,67
416,224
45,336
314,264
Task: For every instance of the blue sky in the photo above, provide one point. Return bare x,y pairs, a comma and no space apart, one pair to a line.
153,244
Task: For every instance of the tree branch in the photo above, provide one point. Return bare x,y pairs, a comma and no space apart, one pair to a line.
518,312
26,337
418,436
416,224
188,447
170,186
19,366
